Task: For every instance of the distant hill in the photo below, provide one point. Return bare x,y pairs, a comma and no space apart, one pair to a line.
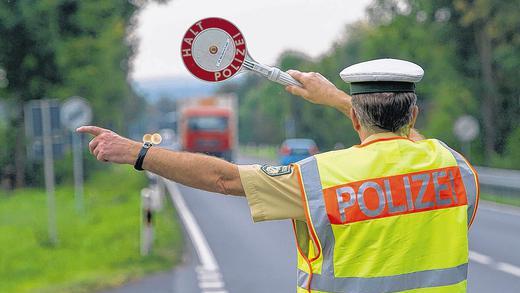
176,87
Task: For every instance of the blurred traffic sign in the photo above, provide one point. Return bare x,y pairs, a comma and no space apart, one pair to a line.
34,128
41,126
75,112
466,128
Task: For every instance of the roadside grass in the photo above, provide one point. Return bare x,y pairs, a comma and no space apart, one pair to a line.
96,250
509,200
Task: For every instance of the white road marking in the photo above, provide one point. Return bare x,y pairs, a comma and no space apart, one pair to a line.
210,279
211,285
480,258
508,268
500,266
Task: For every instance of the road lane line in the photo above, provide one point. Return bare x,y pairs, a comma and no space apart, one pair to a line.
209,274
205,254
211,285
480,258
209,267
209,277
508,268
497,265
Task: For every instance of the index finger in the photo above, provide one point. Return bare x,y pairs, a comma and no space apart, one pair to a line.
295,74
94,130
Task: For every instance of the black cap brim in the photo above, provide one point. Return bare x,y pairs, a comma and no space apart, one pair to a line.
368,87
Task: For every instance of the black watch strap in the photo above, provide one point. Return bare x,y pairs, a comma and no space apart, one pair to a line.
140,158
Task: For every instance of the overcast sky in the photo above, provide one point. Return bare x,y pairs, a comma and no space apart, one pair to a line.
269,26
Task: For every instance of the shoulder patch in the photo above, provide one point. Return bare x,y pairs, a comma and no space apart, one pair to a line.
276,170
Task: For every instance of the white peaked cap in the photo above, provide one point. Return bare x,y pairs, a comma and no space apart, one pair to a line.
383,70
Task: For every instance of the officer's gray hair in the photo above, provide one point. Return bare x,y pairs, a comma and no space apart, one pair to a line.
381,112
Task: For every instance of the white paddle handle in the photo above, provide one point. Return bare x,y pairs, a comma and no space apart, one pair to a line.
272,73
282,77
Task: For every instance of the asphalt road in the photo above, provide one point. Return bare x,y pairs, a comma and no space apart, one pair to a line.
261,257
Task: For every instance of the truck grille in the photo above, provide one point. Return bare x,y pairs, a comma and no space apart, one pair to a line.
207,143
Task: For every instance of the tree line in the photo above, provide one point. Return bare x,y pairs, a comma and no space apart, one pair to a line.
57,49
468,49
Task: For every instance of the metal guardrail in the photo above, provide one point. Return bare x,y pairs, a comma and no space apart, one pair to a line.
503,178
502,183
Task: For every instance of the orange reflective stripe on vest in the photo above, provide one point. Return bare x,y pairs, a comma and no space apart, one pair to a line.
389,196
384,229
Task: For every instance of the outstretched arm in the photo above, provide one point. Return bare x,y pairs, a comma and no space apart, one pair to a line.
319,90
195,170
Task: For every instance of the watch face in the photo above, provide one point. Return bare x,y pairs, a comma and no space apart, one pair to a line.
156,138
147,137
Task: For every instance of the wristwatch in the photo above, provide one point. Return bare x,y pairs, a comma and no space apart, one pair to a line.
140,158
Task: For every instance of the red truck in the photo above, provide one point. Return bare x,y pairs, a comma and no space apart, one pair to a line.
208,126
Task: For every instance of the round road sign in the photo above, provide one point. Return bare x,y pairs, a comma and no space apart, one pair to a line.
466,128
75,112
213,49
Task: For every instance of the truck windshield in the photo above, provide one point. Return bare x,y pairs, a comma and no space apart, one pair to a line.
208,123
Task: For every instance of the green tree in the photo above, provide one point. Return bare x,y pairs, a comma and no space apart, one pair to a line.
492,30
468,49
61,48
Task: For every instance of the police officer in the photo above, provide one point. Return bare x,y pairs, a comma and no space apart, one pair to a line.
388,215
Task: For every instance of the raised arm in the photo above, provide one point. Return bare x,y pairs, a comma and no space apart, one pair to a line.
319,90
195,170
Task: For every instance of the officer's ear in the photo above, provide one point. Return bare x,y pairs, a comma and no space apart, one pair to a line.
415,113
355,120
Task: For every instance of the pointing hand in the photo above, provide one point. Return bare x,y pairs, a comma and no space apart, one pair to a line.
108,146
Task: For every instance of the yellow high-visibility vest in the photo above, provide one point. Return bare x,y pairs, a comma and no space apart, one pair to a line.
388,216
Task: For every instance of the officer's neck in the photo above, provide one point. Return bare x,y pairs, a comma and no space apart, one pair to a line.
370,136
